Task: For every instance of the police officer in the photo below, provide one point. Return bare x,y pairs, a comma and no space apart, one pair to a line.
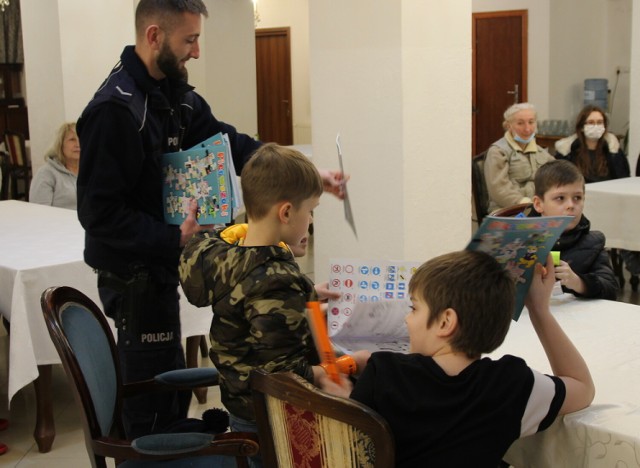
143,109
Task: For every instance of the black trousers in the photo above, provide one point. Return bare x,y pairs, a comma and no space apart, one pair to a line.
149,343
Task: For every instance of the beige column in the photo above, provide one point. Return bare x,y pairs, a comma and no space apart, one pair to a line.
394,79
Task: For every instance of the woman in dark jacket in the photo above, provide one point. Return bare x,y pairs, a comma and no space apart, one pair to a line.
593,149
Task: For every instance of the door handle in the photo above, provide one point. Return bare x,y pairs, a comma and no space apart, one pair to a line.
516,93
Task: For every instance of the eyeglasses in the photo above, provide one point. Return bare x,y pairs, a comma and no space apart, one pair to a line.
594,122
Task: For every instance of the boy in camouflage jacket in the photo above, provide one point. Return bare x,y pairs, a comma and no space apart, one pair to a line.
256,289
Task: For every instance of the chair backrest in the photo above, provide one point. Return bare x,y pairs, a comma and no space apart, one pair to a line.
15,145
4,175
479,186
84,341
513,210
299,425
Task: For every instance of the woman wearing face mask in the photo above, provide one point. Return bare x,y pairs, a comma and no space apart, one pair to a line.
511,162
593,149
598,155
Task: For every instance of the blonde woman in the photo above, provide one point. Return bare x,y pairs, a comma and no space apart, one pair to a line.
55,183
512,161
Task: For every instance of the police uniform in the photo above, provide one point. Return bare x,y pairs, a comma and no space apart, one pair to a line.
131,121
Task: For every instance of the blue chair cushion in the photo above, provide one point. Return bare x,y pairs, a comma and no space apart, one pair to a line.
192,377
214,461
169,444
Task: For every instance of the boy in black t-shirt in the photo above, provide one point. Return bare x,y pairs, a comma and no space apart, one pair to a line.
445,404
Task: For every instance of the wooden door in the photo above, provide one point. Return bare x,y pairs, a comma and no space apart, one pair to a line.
499,71
273,77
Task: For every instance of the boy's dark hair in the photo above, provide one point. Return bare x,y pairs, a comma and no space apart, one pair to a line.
165,11
556,174
480,291
277,174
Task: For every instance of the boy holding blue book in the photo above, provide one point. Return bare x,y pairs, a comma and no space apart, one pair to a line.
584,268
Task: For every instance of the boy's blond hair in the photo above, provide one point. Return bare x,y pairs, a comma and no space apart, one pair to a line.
277,174
480,291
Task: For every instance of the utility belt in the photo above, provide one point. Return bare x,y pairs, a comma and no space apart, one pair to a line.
135,290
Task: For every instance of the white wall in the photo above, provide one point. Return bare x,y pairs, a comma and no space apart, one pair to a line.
293,14
589,39
228,55
404,123
69,48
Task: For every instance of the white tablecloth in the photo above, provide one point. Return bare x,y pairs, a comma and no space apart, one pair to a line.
612,208
607,434
41,246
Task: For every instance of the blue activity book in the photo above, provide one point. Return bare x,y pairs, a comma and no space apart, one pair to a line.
518,244
206,173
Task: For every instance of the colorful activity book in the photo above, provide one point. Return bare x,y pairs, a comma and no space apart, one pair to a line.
206,173
375,300
518,244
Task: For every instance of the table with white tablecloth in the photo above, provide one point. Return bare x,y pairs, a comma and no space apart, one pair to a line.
42,246
607,434
611,206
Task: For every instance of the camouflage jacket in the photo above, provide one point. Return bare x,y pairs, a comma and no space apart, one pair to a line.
258,297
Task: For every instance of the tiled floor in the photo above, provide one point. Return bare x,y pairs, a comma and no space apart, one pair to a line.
68,448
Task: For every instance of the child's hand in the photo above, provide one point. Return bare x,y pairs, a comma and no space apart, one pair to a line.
343,390
190,225
361,357
568,278
325,293
541,286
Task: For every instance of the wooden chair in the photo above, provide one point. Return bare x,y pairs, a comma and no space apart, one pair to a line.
84,341
301,426
513,210
19,165
4,175
479,186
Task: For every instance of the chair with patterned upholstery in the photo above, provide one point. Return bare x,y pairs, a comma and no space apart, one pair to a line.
299,425
85,343
19,165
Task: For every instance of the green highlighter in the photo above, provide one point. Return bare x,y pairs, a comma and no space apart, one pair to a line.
555,255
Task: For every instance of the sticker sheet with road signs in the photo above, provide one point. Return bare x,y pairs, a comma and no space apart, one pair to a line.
375,299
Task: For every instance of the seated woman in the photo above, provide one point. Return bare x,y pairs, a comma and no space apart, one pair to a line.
593,149
55,183
511,162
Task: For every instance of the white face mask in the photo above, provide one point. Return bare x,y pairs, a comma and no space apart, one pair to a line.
593,132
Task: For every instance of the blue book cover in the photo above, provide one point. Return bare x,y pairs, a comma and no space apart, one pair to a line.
518,244
221,140
202,173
